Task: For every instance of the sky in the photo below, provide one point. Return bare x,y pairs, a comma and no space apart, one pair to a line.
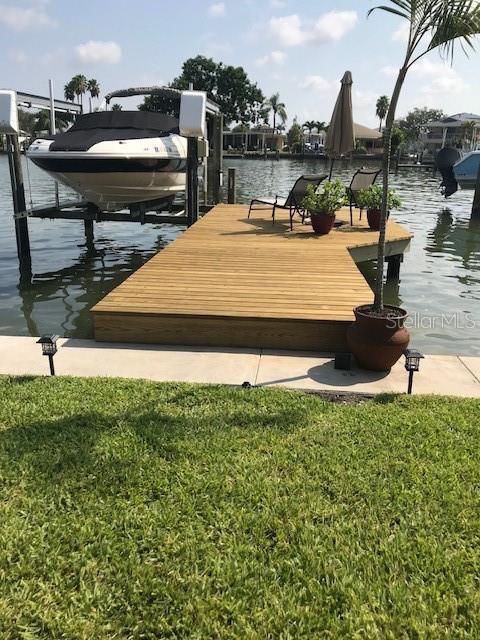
300,48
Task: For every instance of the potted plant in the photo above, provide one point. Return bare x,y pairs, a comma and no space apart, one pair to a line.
370,199
323,205
378,338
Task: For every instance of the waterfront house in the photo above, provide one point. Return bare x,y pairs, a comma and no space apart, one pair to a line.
314,140
460,130
370,140
257,138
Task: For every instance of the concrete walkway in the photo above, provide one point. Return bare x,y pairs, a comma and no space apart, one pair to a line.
448,375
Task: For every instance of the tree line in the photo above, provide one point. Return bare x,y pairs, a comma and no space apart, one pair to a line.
240,100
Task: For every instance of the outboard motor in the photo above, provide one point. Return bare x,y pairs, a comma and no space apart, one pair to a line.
446,158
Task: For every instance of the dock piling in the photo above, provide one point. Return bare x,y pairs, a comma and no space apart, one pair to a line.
393,268
88,226
192,181
19,203
231,194
214,167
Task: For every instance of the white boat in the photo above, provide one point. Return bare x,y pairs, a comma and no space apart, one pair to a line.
466,170
117,159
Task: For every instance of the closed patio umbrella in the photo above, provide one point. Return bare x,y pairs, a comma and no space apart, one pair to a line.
340,135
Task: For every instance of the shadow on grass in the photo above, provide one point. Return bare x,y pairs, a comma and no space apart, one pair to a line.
21,379
387,398
94,448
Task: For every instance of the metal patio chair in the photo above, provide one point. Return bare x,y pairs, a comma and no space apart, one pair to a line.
362,179
293,202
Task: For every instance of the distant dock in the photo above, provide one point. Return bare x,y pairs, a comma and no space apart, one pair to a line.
233,281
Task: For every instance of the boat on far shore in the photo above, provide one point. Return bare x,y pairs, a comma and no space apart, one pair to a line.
117,159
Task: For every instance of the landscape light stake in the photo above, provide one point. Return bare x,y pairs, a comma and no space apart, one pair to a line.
412,364
49,348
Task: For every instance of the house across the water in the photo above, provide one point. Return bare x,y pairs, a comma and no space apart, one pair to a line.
461,130
263,137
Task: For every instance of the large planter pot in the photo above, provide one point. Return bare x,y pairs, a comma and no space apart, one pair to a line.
373,217
322,223
376,341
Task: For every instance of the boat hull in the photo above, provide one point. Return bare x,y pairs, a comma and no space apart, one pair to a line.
113,184
466,170
116,160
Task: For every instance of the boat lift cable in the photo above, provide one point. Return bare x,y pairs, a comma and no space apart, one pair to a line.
27,162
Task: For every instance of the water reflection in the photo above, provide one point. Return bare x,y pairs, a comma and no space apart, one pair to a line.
65,296
454,239
391,290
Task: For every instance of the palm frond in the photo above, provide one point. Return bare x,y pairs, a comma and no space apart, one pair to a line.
388,10
445,23
455,20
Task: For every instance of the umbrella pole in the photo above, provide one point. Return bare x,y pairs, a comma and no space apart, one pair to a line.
331,168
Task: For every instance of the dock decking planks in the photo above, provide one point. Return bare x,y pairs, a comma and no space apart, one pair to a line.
233,281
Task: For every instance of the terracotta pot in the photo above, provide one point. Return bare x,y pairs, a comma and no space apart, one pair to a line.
377,343
322,223
373,217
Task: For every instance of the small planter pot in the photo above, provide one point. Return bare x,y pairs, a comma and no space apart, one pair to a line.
322,223
377,341
373,217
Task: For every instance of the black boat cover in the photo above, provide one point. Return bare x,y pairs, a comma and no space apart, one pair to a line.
101,126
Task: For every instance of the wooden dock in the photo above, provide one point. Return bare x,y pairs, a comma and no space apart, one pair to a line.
238,282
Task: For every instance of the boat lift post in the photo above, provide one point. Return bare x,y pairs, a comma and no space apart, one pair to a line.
9,126
193,125
192,181
9,103
19,205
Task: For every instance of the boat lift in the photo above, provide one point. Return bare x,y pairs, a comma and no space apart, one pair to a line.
145,213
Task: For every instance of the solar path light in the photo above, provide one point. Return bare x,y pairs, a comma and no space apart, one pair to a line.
412,364
49,348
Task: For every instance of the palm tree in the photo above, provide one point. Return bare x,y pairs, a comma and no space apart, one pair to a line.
277,108
469,134
94,89
321,126
79,86
382,107
42,122
309,125
433,25
116,107
68,91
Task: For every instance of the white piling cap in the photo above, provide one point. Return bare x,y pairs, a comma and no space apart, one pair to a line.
8,112
192,114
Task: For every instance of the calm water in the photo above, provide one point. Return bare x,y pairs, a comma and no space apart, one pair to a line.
440,278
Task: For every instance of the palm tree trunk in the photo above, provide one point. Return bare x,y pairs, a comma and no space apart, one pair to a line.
380,126
387,142
274,125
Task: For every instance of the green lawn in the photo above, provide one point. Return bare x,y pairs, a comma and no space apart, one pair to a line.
138,510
